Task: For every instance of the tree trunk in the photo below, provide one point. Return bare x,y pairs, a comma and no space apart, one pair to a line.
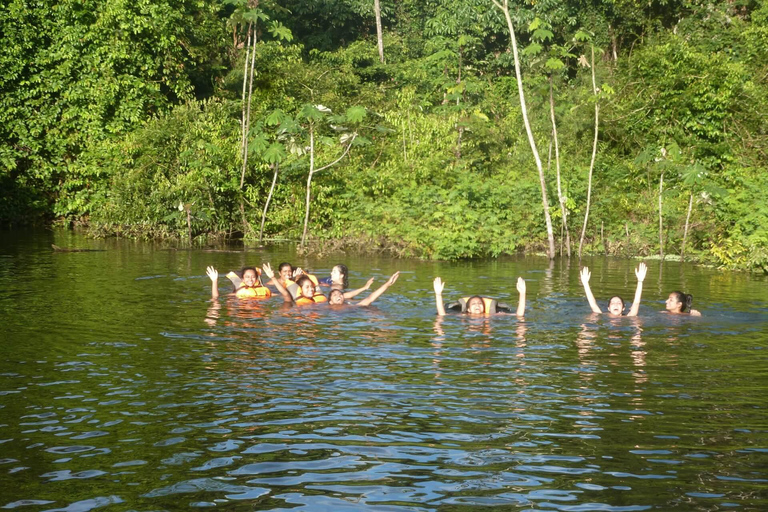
687,223
594,155
545,202
379,34
309,181
560,197
248,109
312,171
244,136
266,205
661,223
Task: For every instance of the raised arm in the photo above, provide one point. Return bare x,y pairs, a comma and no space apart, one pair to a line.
214,275
439,285
640,272
521,301
381,289
352,293
585,275
270,274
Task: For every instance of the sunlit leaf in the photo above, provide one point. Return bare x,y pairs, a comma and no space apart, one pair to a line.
355,114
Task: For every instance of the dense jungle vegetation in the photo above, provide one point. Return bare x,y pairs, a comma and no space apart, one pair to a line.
129,117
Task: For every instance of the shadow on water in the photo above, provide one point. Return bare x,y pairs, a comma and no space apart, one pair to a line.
123,385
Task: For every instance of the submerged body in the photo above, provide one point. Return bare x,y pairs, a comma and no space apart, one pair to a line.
477,305
615,303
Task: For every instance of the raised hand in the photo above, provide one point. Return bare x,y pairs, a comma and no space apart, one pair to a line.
212,273
641,271
369,283
439,285
585,275
268,270
391,279
520,285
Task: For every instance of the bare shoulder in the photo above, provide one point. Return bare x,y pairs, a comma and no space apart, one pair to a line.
695,312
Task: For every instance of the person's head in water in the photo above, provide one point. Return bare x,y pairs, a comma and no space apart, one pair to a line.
306,286
250,276
616,305
340,275
475,305
336,298
285,270
679,302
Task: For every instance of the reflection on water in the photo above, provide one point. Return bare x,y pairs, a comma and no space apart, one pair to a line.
123,385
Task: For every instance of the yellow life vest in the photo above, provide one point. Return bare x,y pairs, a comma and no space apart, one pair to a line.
317,298
253,292
294,289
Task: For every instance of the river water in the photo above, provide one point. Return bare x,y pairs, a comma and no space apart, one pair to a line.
124,387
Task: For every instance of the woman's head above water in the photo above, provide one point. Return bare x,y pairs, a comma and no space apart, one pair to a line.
306,286
340,275
475,305
616,305
250,276
336,297
679,302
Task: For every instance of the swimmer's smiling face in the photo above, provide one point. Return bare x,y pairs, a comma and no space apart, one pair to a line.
616,306
475,306
285,272
336,298
249,277
307,288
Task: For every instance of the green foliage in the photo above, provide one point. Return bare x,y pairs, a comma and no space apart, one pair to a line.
104,117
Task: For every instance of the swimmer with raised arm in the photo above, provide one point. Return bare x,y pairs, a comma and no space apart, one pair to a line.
678,302
305,290
339,280
338,298
477,305
615,303
247,284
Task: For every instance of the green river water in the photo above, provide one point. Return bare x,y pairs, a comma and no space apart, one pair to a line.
124,387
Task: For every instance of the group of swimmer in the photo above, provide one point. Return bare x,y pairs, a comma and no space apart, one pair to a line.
302,288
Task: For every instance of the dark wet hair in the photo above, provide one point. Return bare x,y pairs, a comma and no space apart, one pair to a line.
345,272
284,264
475,297
304,277
240,273
685,298
617,297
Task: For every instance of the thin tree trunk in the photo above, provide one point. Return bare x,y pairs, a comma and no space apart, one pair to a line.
309,181
626,229
266,205
560,197
594,155
248,110
379,33
312,171
687,223
661,222
545,202
244,137
189,224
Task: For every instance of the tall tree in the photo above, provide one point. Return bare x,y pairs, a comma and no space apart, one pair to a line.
503,5
379,34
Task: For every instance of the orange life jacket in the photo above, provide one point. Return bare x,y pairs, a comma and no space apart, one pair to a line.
317,298
253,292
294,289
